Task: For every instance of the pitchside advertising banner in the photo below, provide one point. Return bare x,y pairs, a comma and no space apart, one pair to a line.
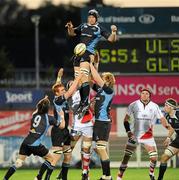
127,88
138,20
19,98
15,123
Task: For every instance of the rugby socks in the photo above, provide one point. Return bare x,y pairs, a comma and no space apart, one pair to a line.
106,167
42,170
162,169
122,169
64,171
152,167
49,172
85,162
84,93
10,172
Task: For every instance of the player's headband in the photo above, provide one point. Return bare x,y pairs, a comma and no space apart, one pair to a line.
171,102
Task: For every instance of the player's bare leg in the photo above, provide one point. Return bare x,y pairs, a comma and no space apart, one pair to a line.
153,155
101,149
85,156
66,162
56,154
169,152
17,164
85,88
128,152
47,165
67,158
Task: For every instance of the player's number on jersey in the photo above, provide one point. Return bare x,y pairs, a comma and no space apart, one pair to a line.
36,121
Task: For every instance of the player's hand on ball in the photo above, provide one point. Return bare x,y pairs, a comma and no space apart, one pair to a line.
113,28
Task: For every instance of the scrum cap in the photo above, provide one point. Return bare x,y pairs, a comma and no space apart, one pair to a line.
93,12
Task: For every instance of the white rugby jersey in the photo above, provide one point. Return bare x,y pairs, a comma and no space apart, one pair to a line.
144,117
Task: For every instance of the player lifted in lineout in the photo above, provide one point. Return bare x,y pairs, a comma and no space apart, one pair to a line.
61,137
90,33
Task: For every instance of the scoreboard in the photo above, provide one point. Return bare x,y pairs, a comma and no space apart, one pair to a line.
140,55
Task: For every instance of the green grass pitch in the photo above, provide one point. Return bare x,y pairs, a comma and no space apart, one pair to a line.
75,174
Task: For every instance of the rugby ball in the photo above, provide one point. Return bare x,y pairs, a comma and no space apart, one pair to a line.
80,49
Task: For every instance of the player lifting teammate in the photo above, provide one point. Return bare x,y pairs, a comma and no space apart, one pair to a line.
61,137
103,99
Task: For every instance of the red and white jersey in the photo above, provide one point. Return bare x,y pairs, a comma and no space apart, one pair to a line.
144,117
74,104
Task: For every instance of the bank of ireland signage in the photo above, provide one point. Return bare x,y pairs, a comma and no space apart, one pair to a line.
138,20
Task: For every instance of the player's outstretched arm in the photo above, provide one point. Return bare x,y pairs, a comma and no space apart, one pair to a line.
113,35
59,76
96,76
164,122
70,29
73,87
62,123
96,60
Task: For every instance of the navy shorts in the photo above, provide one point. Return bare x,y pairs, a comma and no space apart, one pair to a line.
101,130
175,143
60,137
27,150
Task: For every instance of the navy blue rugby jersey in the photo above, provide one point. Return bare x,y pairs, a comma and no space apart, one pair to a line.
174,121
39,126
103,102
90,35
60,103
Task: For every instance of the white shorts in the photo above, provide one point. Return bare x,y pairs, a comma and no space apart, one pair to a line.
82,131
149,142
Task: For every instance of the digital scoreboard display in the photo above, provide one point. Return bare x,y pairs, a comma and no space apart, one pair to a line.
140,55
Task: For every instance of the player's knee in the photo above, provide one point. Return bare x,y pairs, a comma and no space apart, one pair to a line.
56,151
153,155
101,149
85,71
86,145
67,151
101,146
168,153
19,163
